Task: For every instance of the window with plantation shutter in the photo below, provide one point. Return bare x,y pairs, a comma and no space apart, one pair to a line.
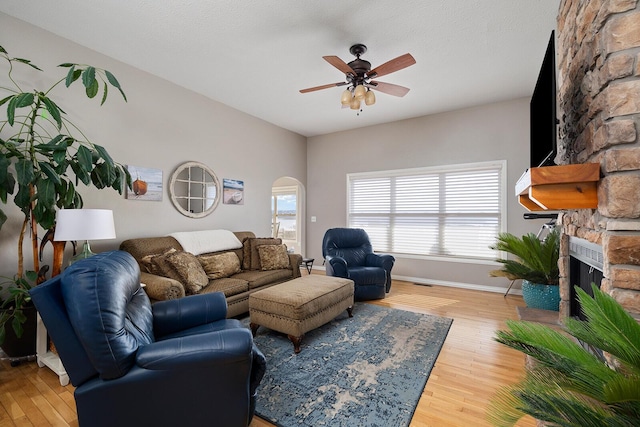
453,211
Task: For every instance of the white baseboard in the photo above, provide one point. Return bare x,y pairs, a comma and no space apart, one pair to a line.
470,286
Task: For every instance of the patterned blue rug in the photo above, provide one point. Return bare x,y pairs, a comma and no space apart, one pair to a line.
369,370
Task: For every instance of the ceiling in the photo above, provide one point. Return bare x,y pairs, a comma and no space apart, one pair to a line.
255,56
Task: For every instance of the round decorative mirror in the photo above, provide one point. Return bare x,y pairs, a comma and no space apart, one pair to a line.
195,189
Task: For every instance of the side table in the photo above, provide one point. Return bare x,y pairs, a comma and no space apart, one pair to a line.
308,263
46,357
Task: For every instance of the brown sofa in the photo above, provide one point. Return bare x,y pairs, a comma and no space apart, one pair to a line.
169,272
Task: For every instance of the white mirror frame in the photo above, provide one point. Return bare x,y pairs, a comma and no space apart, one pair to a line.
190,186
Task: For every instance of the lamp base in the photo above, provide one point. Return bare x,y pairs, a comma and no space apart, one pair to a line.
86,253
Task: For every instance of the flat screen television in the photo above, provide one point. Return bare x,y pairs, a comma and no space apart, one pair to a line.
543,120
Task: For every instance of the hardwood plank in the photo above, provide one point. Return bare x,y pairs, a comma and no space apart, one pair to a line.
11,406
469,369
51,414
67,413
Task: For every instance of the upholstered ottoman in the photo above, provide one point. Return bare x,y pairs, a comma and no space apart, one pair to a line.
300,305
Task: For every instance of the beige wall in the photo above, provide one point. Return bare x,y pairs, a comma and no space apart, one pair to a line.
497,131
161,126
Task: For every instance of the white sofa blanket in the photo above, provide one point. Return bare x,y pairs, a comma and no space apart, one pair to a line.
201,242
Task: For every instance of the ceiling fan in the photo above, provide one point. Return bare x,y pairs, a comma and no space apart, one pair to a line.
359,77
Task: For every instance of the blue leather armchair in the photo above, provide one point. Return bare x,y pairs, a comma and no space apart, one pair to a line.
348,253
178,362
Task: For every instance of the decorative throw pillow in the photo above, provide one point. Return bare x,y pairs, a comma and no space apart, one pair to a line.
254,256
183,267
273,257
246,253
146,264
220,265
155,266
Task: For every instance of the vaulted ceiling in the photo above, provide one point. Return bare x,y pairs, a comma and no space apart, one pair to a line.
255,56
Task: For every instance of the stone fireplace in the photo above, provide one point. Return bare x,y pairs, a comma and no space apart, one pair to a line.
598,60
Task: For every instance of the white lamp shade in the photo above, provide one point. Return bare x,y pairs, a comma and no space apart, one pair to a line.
84,224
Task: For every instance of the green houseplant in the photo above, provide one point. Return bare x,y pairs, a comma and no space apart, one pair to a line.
17,311
536,263
41,165
571,385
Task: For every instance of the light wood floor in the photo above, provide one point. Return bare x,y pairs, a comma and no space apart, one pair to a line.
470,367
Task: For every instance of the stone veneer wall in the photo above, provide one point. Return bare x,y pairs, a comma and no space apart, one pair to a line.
598,61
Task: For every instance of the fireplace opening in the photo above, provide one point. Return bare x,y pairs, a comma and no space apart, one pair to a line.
585,269
582,275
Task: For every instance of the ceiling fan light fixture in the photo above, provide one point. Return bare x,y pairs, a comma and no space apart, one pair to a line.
358,74
346,97
369,98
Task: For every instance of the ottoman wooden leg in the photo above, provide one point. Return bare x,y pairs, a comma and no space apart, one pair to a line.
254,328
350,311
296,342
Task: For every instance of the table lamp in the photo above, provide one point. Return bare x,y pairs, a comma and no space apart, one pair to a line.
84,224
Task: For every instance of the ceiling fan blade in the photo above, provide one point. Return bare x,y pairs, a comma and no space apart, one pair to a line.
313,89
339,64
388,88
396,64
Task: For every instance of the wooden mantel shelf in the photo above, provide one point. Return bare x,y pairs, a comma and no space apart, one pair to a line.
559,187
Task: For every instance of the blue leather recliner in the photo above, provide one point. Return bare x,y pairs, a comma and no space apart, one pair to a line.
176,363
348,253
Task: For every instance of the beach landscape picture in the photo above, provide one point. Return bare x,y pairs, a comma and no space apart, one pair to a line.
147,184
232,191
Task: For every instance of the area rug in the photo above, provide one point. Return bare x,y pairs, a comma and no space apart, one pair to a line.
369,370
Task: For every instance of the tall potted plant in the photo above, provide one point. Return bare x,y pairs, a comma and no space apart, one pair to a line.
536,263
41,165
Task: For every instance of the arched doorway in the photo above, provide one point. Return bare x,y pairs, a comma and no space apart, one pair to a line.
287,212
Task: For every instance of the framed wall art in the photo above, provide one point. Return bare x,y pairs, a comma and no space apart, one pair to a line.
147,184
232,191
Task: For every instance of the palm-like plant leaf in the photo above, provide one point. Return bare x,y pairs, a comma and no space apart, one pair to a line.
570,386
559,352
546,400
537,261
608,328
